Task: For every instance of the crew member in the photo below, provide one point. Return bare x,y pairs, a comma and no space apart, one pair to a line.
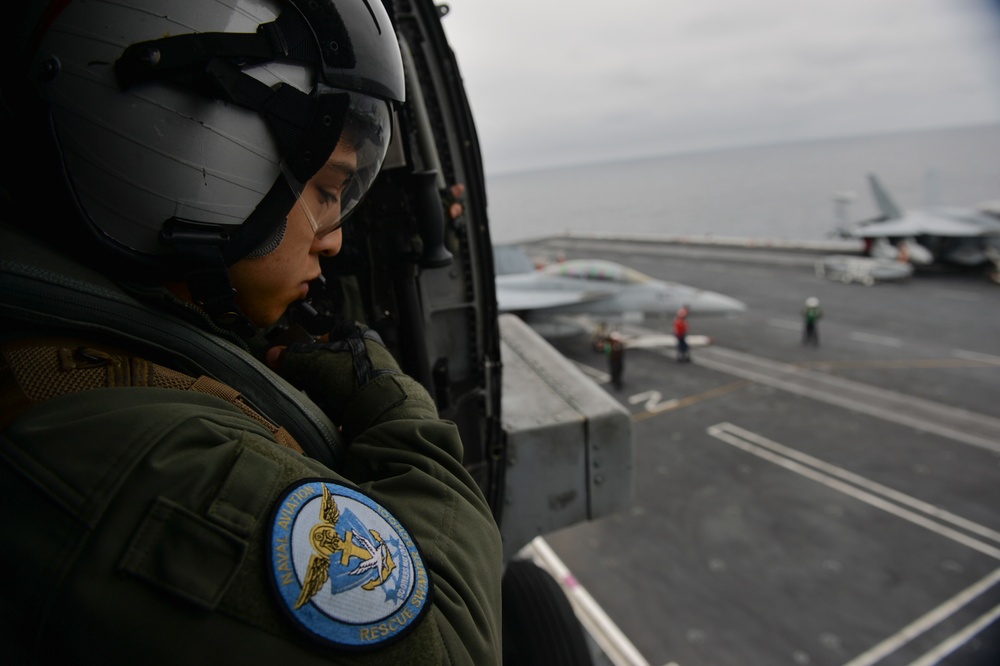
615,349
680,332
811,314
176,169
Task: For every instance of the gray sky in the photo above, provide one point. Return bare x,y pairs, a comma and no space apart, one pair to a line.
555,82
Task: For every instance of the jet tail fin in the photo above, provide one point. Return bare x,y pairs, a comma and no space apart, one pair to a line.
841,204
885,203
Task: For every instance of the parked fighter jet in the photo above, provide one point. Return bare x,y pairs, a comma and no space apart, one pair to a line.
960,236
551,298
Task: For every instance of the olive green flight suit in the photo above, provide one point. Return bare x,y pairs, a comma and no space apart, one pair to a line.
135,529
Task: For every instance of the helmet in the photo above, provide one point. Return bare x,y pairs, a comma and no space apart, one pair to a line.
812,302
185,129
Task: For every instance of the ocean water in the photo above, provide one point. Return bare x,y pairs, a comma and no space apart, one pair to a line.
769,192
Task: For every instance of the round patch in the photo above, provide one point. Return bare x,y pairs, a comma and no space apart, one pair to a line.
344,568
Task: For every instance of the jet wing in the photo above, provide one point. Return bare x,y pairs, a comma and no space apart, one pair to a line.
533,290
516,300
920,225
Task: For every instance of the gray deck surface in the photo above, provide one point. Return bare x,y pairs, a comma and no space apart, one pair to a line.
803,506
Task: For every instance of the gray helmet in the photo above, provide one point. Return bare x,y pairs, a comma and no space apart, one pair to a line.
185,129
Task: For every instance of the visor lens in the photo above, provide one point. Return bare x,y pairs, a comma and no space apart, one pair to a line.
338,186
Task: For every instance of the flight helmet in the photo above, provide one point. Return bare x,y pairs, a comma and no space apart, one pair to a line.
186,130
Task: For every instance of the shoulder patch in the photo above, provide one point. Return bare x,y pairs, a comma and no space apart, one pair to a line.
344,569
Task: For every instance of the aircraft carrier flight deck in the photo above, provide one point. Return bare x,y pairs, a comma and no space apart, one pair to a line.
828,505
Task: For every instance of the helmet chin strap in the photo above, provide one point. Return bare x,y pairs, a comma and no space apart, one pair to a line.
207,250
201,247
214,293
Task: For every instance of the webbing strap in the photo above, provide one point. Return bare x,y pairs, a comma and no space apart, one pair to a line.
80,302
33,371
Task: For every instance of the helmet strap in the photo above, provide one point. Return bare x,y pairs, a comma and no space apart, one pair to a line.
261,225
200,247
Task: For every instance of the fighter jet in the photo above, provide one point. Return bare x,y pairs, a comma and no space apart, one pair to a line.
552,297
960,236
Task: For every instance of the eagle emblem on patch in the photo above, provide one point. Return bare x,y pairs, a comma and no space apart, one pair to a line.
344,569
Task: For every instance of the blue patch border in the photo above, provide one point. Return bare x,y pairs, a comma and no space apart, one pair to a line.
321,627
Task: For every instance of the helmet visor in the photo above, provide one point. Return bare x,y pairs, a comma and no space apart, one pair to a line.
333,192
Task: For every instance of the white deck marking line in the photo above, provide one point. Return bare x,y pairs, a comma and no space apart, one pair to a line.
958,640
786,324
929,619
875,339
976,356
605,633
653,401
719,432
594,373
791,372
925,622
857,405
871,486
956,295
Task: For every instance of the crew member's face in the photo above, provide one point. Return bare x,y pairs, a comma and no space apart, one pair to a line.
266,286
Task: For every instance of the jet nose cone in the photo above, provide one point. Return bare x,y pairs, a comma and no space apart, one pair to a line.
712,303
